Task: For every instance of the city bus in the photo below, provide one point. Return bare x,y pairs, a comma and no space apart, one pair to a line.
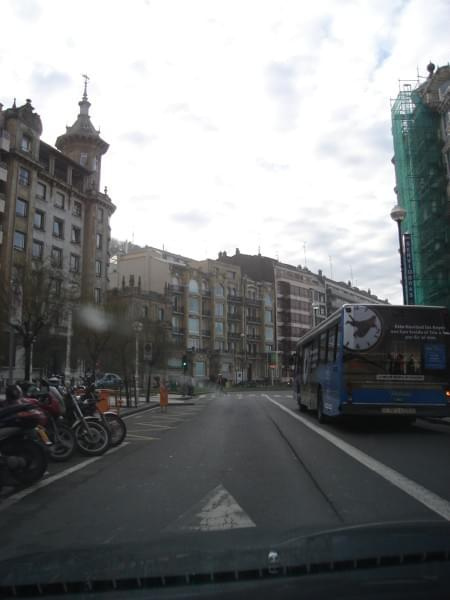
374,359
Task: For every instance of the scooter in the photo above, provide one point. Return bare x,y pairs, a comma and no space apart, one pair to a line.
61,435
23,440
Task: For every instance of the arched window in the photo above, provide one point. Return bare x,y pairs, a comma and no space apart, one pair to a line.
220,291
193,286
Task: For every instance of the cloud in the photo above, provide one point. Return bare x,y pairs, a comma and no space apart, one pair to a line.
137,137
194,219
183,110
46,80
27,10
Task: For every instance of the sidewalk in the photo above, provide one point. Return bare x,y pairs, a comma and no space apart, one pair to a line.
174,399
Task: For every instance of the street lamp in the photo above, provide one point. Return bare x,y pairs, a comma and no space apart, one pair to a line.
398,215
315,308
137,328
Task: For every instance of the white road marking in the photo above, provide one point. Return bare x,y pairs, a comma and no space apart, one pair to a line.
217,511
429,499
45,482
135,436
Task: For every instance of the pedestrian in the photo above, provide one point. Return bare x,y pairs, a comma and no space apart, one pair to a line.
163,396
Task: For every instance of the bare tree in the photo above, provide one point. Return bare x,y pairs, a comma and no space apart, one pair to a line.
31,303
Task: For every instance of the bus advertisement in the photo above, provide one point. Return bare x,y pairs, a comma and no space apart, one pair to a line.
376,360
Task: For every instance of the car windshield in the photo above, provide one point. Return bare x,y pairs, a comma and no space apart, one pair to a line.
224,281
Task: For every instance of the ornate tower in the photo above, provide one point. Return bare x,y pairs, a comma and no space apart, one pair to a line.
82,142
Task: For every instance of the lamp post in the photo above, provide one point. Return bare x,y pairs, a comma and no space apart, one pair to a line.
137,328
315,308
244,357
398,215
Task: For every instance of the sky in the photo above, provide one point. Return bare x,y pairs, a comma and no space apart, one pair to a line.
261,125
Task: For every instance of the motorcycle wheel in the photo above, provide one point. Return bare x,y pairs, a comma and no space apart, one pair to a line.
34,456
63,447
92,439
117,428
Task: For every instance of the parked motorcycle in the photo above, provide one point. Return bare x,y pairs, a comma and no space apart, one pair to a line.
23,440
116,425
48,399
92,437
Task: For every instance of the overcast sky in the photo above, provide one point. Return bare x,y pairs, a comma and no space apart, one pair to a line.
236,123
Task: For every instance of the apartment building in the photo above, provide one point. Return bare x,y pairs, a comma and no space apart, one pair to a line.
222,321
51,207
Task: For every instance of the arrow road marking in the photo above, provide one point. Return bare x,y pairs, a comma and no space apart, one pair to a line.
217,511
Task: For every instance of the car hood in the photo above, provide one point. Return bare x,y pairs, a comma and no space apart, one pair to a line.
391,543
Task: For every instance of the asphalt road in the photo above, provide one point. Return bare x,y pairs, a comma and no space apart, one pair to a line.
233,470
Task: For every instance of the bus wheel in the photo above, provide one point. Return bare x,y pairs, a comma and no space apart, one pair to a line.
321,417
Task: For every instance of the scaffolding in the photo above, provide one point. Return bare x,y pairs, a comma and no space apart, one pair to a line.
422,190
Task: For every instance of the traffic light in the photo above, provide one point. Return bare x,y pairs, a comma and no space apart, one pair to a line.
184,362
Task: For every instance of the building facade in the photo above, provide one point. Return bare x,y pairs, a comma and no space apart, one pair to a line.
222,321
239,316
421,133
51,209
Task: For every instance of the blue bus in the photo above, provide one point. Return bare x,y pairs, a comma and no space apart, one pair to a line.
376,359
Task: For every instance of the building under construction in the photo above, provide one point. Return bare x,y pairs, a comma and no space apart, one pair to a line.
421,132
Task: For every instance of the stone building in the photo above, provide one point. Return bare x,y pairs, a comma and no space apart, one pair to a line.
51,208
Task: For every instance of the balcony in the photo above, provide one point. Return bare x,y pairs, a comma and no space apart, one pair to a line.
206,293
234,316
175,288
3,171
4,140
178,331
206,332
253,301
232,298
206,313
179,310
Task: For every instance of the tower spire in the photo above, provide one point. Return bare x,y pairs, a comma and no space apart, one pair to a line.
86,79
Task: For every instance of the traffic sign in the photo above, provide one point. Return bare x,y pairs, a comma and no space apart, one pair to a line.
148,351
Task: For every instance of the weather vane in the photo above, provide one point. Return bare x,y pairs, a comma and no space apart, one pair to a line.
86,79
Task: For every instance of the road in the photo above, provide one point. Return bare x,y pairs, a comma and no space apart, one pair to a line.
233,470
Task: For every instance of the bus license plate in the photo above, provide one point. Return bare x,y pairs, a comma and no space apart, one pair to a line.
396,410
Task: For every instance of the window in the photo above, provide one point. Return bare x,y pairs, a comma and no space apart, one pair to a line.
100,214
75,236
177,304
76,210
323,347
57,257
218,327
219,309
194,325
41,191
24,176
177,324
268,299
194,305
83,159
332,338
59,200
39,219
193,343
160,314
220,291
145,311
98,241
205,286
56,285
193,286
268,316
199,369
269,334
21,207
37,250
97,295
19,240
74,263
131,281
25,143
58,228
219,345
98,268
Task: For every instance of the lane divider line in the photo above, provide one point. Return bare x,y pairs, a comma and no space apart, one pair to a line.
14,498
426,497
